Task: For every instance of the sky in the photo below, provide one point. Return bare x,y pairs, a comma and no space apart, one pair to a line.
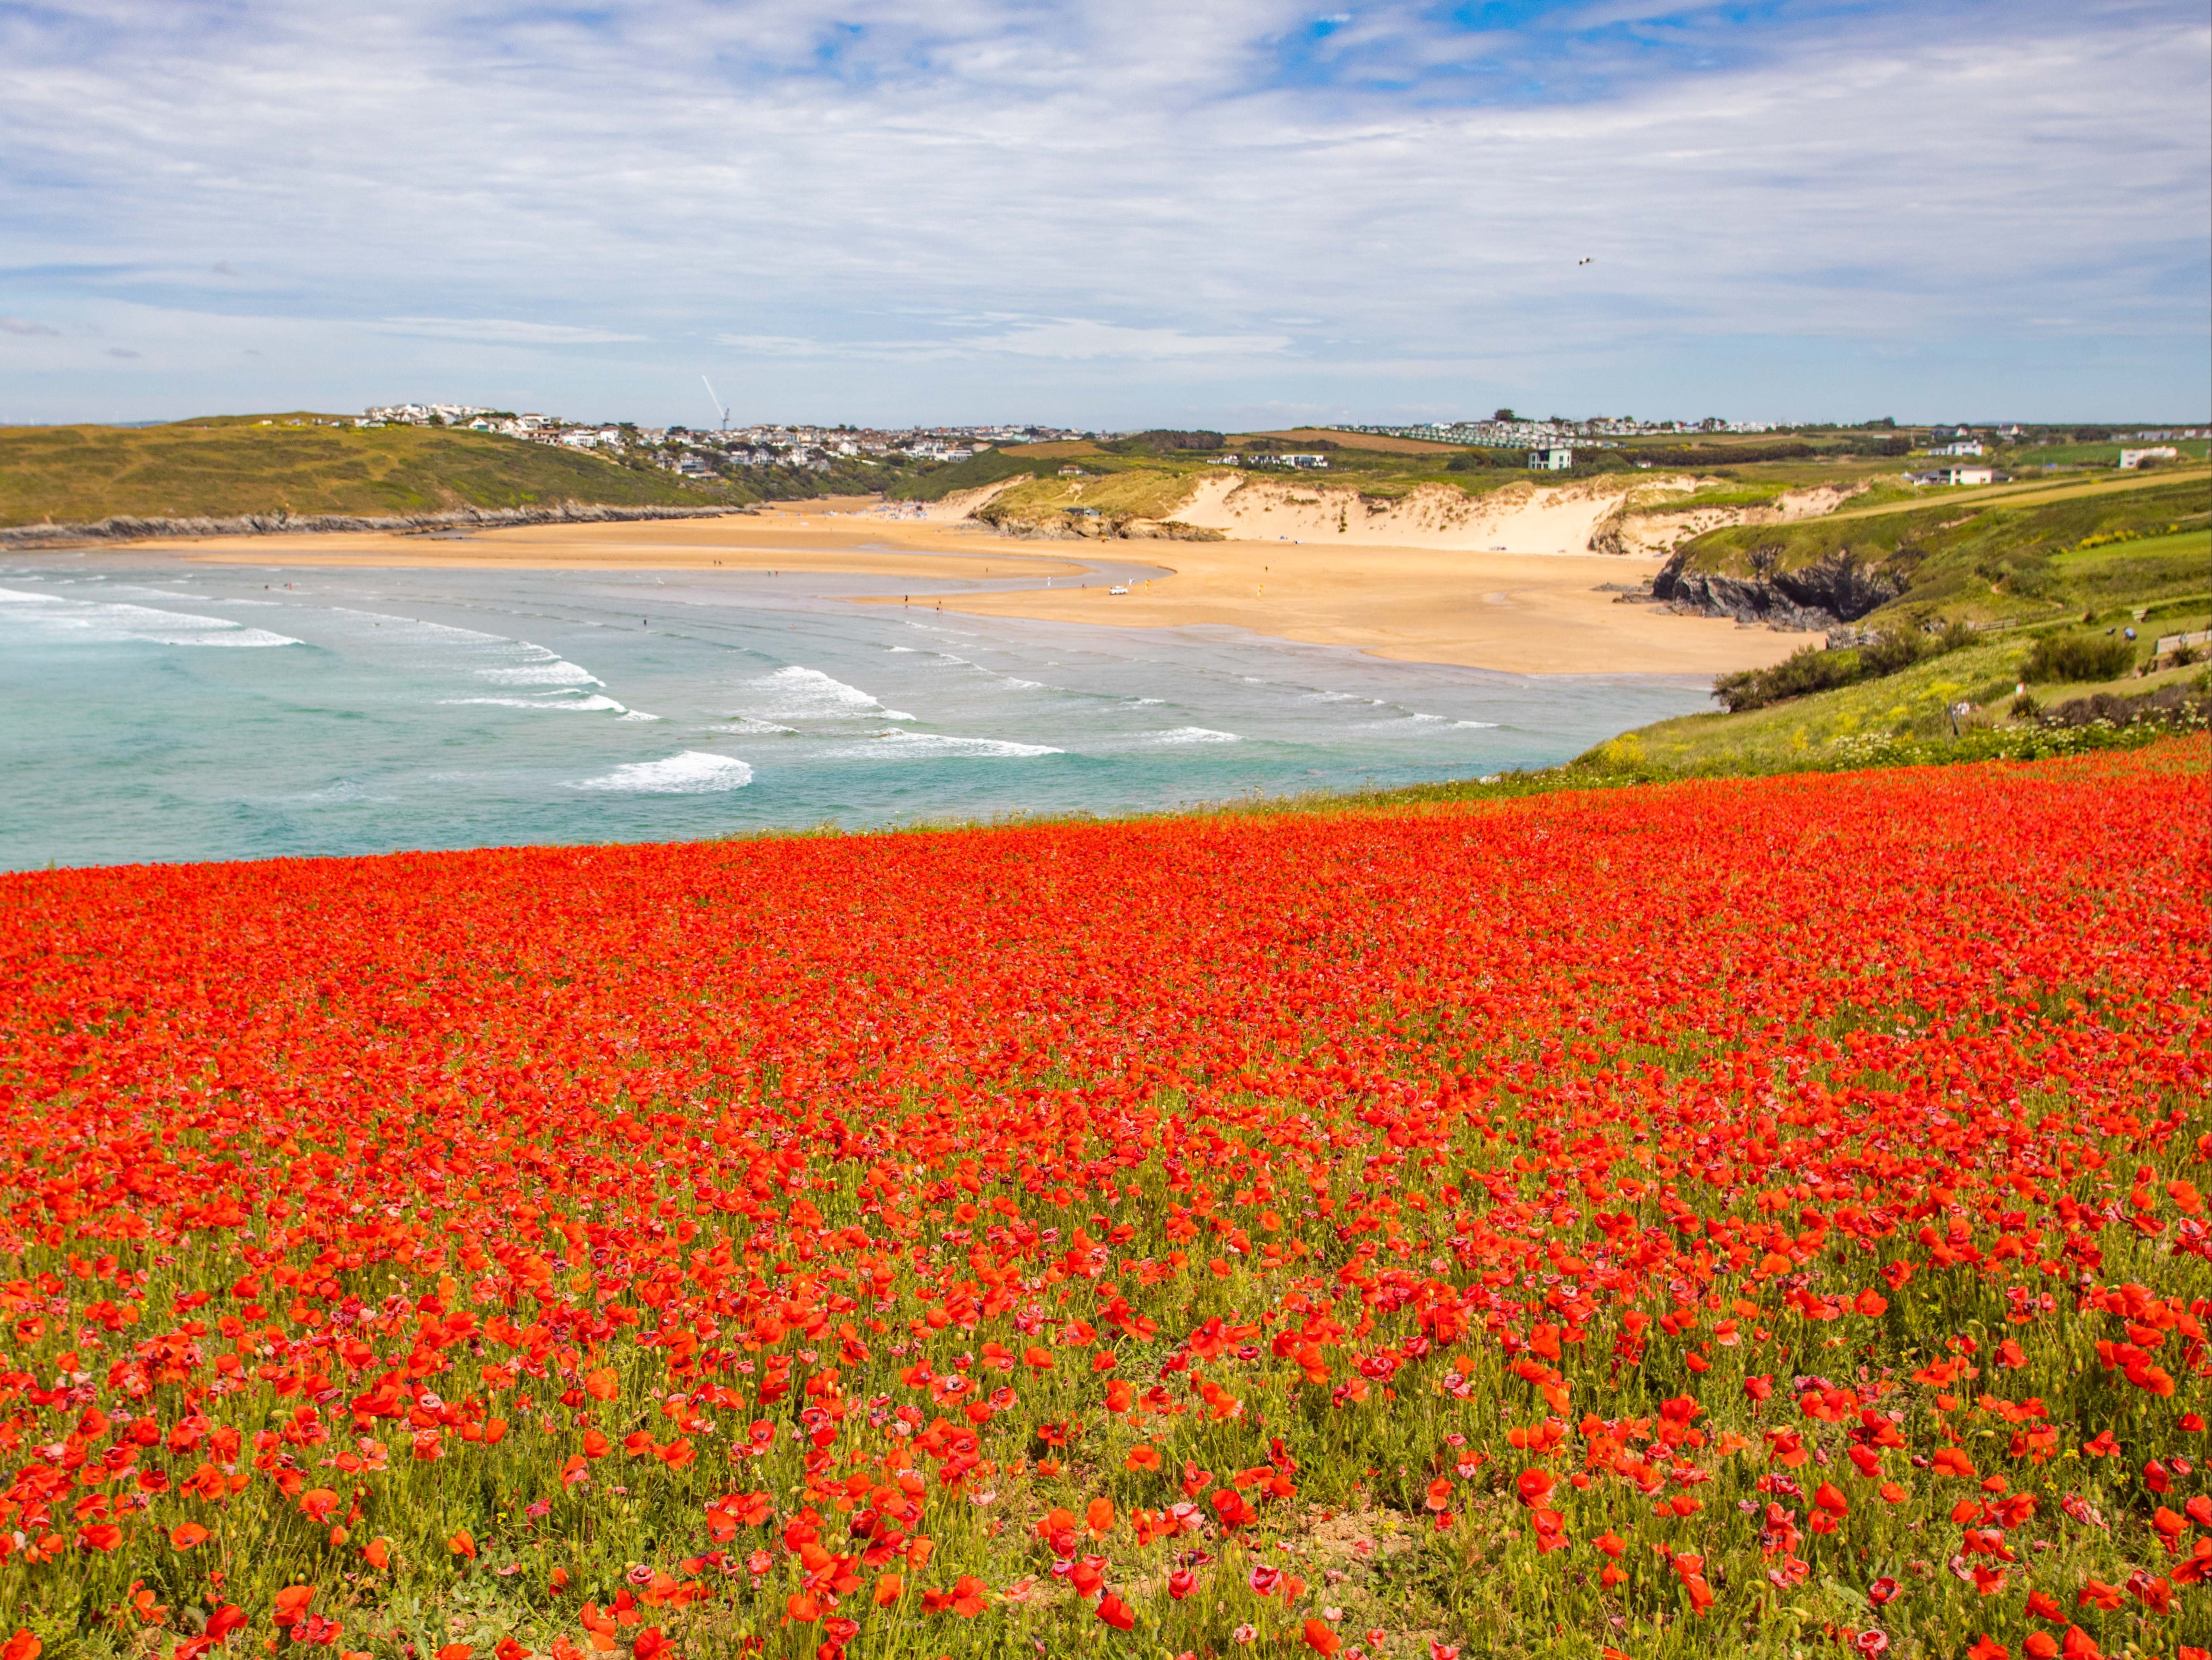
1108,213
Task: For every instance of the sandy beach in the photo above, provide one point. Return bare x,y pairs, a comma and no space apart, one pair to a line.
1522,613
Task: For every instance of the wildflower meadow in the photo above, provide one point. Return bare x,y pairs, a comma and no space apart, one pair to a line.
1753,1217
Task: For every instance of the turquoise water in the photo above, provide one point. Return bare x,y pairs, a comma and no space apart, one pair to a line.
154,710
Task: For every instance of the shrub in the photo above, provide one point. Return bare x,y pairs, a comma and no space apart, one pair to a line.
2061,657
1892,651
1809,669
1163,439
1812,669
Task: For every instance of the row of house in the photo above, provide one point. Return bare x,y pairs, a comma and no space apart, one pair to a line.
1506,431
697,454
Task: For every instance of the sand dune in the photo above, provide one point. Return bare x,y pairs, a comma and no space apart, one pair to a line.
1521,518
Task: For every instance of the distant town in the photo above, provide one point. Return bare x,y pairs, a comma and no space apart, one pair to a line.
697,452
1550,443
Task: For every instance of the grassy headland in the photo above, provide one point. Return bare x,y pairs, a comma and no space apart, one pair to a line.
2020,609
227,465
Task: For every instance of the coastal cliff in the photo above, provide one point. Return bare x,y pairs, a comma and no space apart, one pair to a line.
1840,586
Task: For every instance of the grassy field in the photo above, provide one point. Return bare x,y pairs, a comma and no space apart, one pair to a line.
222,466
2098,455
1349,440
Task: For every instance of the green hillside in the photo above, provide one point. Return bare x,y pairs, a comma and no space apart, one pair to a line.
1986,598
1994,558
223,466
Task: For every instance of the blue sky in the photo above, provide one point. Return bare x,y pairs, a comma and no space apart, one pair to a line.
1115,214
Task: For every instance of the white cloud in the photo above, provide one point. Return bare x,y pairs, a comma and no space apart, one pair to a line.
1079,338
1098,209
503,330
1063,339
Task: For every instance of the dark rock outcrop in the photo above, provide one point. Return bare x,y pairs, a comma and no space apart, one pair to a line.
1840,588
285,524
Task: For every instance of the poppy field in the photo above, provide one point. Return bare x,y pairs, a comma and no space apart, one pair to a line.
1761,1217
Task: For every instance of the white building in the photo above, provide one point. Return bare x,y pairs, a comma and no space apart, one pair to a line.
2130,460
1957,476
1963,446
1551,460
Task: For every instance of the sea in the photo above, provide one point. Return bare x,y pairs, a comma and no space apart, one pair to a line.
157,710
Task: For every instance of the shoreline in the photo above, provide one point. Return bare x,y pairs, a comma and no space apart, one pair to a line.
1538,613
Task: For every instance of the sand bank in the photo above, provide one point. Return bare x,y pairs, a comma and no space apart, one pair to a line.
824,540
1525,612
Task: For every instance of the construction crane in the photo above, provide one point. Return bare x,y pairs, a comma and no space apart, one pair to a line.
721,409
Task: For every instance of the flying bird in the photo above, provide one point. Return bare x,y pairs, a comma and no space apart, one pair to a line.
1582,262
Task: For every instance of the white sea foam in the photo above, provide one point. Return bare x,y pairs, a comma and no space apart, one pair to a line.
796,692
689,772
930,745
1177,735
595,704
1487,726
745,725
444,631
111,623
491,657
558,672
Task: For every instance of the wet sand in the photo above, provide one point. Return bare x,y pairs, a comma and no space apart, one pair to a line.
1518,612
1522,613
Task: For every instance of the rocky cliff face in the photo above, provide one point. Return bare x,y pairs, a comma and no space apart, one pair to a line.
283,524
1840,588
1658,533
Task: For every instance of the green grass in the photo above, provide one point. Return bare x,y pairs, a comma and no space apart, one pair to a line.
1116,496
990,467
1906,706
2016,575
2169,575
1710,495
227,465
1993,559
2098,455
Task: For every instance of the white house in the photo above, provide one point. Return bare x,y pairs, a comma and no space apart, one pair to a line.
1551,460
1957,476
1963,446
2131,459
